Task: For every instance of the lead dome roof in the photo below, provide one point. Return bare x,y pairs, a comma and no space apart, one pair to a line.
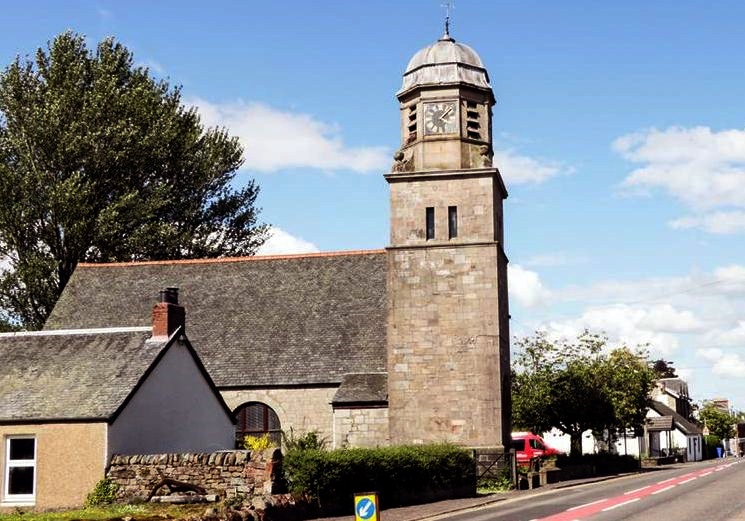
445,62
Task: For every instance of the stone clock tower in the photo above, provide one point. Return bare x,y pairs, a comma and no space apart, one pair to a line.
448,331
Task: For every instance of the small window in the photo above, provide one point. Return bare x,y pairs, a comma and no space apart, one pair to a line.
452,222
430,223
20,469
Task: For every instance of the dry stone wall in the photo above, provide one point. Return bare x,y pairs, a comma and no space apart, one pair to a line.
227,473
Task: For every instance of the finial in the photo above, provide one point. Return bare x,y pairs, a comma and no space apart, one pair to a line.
449,5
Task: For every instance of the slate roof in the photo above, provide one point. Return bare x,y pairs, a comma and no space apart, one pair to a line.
685,426
359,388
255,321
660,423
71,376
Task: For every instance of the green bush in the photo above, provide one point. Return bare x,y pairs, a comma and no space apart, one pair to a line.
401,475
602,462
308,441
711,442
103,493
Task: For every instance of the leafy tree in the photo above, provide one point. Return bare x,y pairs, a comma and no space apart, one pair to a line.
664,368
721,424
101,162
578,386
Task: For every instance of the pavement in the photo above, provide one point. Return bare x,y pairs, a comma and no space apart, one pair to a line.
450,506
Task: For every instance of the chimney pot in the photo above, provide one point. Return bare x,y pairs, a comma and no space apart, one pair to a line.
169,295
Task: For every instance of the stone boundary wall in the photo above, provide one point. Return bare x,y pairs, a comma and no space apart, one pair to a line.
226,473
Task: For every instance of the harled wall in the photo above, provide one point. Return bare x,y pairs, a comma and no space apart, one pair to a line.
70,459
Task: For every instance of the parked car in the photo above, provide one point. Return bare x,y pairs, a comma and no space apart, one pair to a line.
529,446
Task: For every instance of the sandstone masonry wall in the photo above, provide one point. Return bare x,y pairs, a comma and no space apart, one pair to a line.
361,427
302,410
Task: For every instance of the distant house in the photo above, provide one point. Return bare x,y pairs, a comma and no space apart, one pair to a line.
668,429
667,432
69,399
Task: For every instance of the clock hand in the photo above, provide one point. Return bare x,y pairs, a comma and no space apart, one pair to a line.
447,111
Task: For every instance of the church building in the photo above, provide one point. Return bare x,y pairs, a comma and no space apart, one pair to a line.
407,344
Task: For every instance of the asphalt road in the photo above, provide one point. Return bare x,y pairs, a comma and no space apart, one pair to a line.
707,491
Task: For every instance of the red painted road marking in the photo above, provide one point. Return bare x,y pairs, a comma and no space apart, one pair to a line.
632,496
606,509
586,505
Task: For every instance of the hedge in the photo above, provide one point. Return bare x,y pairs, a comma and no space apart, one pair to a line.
401,475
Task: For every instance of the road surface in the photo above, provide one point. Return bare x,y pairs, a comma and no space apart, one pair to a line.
708,491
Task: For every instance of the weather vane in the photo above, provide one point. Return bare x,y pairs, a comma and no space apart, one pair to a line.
449,5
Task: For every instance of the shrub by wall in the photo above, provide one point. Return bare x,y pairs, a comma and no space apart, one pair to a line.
711,442
601,463
401,475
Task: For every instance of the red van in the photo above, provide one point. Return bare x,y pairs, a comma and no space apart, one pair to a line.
528,446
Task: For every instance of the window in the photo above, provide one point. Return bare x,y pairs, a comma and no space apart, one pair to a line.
537,445
20,469
256,419
452,222
430,215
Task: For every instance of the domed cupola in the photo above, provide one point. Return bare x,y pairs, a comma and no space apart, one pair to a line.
445,62
446,114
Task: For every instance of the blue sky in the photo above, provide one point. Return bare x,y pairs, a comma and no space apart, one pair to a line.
619,131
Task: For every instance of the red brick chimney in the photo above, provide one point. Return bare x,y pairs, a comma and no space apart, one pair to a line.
168,315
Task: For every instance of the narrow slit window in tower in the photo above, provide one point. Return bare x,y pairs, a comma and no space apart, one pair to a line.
452,222
430,223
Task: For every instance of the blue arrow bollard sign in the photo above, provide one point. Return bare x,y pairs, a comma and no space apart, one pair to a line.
366,506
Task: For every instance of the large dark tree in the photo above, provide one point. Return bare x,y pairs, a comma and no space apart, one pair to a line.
101,162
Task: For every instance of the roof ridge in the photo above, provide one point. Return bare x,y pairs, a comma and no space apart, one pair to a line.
220,260
70,332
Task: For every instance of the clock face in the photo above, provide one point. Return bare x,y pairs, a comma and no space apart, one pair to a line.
441,117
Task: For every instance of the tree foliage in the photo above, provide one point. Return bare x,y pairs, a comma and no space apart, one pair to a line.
101,162
664,368
720,423
578,386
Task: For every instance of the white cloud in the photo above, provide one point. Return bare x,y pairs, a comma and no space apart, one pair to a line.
729,337
280,242
526,286
724,364
518,169
275,139
722,223
702,168
731,279
665,317
630,325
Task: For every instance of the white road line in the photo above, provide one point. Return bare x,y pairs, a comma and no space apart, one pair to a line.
586,504
665,481
687,480
636,490
663,490
706,473
621,504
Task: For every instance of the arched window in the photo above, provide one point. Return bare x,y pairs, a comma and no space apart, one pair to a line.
256,419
